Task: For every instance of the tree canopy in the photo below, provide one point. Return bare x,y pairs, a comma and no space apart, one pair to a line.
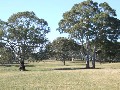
63,48
90,21
24,33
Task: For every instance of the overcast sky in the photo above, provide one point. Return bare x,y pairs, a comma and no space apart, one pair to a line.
50,10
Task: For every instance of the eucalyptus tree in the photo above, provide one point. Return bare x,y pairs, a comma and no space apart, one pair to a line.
2,31
3,55
110,51
27,32
63,48
89,21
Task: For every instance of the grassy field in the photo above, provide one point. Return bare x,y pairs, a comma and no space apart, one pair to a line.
53,75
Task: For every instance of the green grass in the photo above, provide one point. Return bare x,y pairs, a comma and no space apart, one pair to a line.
53,75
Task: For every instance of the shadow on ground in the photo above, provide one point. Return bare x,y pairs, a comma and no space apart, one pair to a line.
17,65
74,68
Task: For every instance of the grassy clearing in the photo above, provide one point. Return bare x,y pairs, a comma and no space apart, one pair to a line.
55,76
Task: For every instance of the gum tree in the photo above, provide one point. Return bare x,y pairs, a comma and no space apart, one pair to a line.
88,22
26,32
63,48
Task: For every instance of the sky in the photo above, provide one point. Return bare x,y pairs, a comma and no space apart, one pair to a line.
50,10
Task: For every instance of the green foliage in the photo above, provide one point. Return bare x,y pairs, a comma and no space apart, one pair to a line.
110,51
5,56
1,33
27,31
26,26
63,48
2,23
90,21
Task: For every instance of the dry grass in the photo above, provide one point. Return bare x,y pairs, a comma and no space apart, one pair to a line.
56,76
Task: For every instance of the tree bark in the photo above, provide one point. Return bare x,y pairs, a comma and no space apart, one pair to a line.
22,58
87,57
87,64
22,66
64,61
94,57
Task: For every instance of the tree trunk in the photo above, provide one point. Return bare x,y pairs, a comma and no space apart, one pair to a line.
64,61
87,57
87,63
63,58
22,66
87,60
22,58
94,57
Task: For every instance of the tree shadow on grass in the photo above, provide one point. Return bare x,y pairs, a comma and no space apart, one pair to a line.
74,68
17,65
